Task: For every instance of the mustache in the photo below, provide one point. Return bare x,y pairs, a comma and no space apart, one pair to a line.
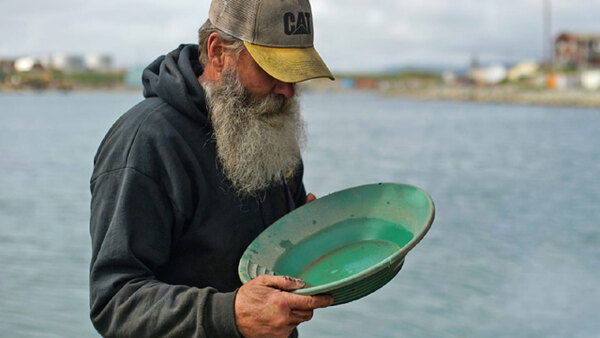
269,105
272,104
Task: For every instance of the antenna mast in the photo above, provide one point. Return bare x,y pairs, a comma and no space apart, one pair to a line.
547,34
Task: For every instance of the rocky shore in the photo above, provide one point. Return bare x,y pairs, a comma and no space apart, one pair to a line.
504,93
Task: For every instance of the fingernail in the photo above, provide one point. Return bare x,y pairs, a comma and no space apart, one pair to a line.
297,281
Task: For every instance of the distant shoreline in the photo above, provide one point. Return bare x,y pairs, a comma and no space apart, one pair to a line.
116,89
505,94
565,98
498,94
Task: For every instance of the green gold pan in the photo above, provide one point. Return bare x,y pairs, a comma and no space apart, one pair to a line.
347,244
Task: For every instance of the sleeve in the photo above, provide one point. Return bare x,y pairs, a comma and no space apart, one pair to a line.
131,226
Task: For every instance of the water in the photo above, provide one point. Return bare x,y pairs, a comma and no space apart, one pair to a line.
514,250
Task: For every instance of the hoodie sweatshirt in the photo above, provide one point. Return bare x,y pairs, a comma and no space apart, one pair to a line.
167,229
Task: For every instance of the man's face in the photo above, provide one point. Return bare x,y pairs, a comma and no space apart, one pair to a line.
258,131
257,82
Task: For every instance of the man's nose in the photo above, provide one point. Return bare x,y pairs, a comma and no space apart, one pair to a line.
287,89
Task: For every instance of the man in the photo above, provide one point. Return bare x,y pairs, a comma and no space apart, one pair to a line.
186,179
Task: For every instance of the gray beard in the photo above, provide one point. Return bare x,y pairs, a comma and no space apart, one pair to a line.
258,140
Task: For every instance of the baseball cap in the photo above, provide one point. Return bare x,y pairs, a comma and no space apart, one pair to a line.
278,34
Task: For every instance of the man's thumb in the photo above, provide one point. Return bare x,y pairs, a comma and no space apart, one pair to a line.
285,283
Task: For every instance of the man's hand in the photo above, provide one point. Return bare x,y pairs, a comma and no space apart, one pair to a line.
263,308
310,197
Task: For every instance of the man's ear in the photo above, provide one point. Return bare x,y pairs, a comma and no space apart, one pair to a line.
216,53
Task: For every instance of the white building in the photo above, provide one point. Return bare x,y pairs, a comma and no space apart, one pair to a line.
488,75
98,63
590,79
26,63
67,63
523,70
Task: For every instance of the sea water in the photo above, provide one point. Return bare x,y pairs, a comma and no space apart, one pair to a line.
513,251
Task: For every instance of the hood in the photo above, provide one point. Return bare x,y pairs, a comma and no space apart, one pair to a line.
174,78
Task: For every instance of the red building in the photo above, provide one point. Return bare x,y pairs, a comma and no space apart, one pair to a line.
578,50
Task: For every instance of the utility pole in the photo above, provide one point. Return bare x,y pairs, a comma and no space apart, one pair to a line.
551,80
548,43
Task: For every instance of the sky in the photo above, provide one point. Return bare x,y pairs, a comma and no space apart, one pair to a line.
350,35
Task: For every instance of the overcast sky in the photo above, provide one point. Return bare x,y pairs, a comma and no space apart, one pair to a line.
350,35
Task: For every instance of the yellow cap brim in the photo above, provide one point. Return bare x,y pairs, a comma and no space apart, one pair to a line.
289,64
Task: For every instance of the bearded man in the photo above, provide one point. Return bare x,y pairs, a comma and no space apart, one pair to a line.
186,179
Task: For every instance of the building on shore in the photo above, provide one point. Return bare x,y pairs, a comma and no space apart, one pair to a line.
489,75
67,63
590,80
523,70
578,50
98,63
27,64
